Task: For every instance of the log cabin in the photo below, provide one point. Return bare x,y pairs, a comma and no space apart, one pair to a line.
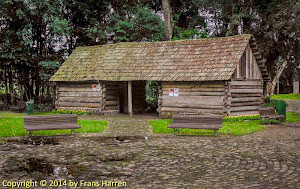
224,75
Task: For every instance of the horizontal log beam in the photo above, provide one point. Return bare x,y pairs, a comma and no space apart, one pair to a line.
246,99
166,93
246,90
192,110
79,99
244,108
78,104
197,89
112,98
246,82
246,104
111,108
81,94
187,100
238,95
111,103
208,98
246,87
76,89
244,113
77,85
196,106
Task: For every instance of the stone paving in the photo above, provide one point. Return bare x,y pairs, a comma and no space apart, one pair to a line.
265,159
128,127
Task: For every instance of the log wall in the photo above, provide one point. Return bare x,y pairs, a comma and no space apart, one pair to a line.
78,96
244,97
111,97
194,97
81,96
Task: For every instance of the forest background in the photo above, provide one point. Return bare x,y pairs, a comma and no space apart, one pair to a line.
36,36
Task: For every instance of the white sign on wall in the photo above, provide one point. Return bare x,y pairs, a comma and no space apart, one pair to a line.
173,92
96,87
176,92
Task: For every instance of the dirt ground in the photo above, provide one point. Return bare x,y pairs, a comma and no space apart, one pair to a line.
128,153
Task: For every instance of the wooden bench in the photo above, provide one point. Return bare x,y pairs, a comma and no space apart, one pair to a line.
51,122
268,113
19,107
211,122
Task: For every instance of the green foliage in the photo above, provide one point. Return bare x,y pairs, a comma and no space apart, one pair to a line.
60,27
96,33
50,64
188,34
273,102
286,96
151,100
242,118
48,68
78,112
180,33
144,25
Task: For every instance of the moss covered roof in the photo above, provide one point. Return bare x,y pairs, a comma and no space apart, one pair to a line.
184,60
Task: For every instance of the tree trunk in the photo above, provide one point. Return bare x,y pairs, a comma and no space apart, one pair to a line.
167,16
271,87
6,85
11,87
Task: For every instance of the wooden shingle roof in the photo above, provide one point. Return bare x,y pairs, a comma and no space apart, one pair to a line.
185,60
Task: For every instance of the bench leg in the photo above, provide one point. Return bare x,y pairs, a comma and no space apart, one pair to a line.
176,130
216,133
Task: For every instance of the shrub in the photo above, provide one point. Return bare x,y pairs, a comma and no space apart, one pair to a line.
242,118
78,112
272,102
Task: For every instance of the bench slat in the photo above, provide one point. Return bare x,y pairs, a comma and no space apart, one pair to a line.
63,116
51,127
211,122
196,123
51,122
210,127
198,116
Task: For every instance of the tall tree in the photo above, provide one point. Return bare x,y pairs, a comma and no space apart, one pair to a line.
167,18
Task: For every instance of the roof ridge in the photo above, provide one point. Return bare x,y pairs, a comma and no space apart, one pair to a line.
174,41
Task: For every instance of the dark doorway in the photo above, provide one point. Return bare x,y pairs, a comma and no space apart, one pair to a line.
123,98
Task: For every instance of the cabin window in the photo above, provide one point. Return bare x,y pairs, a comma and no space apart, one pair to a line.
243,66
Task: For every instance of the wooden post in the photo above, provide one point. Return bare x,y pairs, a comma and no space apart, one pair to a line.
103,95
56,95
130,98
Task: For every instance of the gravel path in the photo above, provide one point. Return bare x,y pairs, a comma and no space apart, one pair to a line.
128,127
266,159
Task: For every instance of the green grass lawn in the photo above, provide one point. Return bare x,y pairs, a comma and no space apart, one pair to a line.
230,127
286,96
292,117
11,124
